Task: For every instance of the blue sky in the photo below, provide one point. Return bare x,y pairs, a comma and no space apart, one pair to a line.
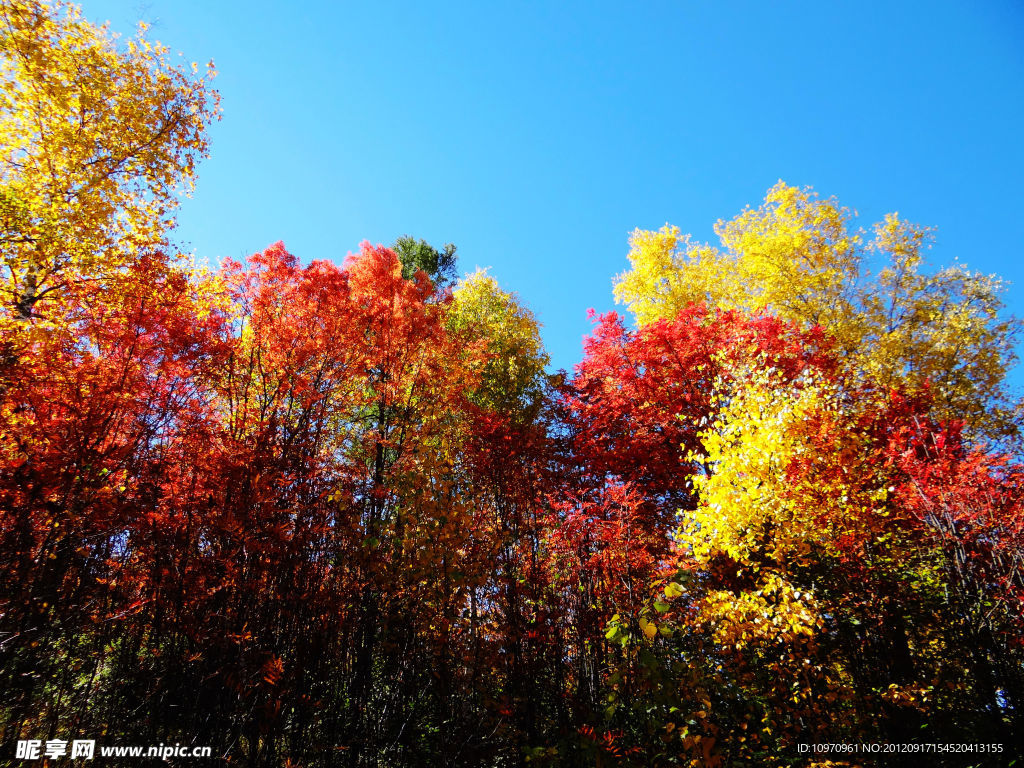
537,135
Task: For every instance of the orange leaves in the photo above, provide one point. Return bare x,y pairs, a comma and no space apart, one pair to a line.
328,502
272,670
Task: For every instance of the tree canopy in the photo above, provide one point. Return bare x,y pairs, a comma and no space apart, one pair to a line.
339,512
798,257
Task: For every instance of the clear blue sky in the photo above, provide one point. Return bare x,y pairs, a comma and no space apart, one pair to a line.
537,135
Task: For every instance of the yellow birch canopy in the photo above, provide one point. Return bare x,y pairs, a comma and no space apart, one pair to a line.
796,256
99,141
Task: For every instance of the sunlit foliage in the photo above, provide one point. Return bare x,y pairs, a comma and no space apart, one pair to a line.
339,513
798,257
98,141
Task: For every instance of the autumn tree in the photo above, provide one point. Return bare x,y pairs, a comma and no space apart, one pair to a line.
798,257
98,141
515,361
339,513
101,335
638,406
761,538
91,420
828,553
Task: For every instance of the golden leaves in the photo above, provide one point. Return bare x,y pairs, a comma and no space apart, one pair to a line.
747,503
97,143
514,359
775,612
797,258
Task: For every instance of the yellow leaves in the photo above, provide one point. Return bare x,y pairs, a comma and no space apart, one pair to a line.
776,611
795,244
944,329
620,632
911,696
792,256
746,503
668,273
484,314
796,257
96,142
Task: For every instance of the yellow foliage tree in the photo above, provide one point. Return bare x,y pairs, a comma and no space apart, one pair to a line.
98,141
747,507
484,314
797,257
791,474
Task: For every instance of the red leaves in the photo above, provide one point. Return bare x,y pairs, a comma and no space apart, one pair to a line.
972,504
269,488
88,408
639,398
612,543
